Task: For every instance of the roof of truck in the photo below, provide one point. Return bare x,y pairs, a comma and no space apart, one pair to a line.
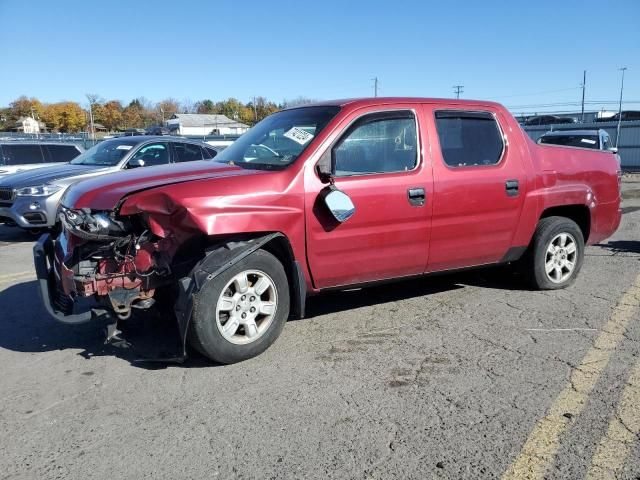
369,101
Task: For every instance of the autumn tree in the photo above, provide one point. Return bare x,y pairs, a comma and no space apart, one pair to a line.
205,106
167,108
109,115
5,119
25,107
234,109
295,102
64,117
262,108
132,115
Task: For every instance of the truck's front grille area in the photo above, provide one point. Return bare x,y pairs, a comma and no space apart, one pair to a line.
7,194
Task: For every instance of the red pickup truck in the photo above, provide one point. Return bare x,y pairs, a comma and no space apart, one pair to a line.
325,196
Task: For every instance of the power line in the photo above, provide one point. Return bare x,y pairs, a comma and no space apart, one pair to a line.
539,93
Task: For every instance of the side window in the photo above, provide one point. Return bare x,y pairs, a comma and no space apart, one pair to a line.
187,152
378,143
60,153
22,154
606,142
153,154
469,138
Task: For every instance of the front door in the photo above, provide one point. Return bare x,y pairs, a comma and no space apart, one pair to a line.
378,162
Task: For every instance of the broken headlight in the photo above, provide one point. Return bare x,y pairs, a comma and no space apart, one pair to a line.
92,225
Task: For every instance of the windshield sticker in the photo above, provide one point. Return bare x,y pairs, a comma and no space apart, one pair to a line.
124,147
298,135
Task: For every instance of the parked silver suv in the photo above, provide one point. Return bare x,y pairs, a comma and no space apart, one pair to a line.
30,199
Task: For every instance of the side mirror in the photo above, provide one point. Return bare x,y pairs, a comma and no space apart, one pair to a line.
135,163
339,204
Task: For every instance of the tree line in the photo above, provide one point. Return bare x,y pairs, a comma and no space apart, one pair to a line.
68,117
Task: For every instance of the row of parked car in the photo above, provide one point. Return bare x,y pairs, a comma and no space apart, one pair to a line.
35,175
625,116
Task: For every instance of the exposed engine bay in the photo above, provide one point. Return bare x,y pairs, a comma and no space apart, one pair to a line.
120,261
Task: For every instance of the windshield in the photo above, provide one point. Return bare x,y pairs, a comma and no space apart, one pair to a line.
584,141
108,153
275,142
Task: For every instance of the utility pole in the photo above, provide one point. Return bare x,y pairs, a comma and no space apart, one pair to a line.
375,86
255,110
623,69
458,89
91,117
584,84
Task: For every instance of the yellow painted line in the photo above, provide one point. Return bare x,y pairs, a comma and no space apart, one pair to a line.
540,448
622,434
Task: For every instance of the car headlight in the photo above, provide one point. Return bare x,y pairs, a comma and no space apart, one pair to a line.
38,191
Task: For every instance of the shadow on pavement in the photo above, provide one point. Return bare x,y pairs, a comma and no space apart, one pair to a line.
621,246
26,327
15,234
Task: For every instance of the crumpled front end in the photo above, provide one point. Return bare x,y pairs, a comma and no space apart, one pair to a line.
100,260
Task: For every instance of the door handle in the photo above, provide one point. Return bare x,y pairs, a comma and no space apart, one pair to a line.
512,187
416,196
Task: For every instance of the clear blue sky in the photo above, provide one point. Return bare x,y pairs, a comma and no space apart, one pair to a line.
501,50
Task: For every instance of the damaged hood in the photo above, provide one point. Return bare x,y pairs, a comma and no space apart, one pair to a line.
105,192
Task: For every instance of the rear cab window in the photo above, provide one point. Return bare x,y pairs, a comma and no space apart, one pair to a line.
469,138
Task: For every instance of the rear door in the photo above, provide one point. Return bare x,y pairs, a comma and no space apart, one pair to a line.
479,186
380,165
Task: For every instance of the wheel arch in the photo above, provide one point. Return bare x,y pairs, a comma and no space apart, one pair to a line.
223,253
576,212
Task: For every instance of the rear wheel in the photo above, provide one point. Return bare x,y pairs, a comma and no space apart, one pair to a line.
241,312
556,253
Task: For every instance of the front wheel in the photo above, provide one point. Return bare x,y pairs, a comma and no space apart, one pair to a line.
241,312
556,253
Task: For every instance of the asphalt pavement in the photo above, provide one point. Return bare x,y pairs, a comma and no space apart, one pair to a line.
453,376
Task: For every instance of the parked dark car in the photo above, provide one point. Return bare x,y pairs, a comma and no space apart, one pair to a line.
132,132
548,120
16,156
157,130
595,139
626,116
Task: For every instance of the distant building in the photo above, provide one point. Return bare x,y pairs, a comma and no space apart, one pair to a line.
204,124
28,125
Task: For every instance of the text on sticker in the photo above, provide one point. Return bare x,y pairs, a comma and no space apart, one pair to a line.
298,135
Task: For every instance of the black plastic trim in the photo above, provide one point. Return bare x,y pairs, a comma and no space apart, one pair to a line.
513,254
42,253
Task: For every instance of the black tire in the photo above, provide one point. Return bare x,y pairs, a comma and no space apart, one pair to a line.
204,334
536,258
